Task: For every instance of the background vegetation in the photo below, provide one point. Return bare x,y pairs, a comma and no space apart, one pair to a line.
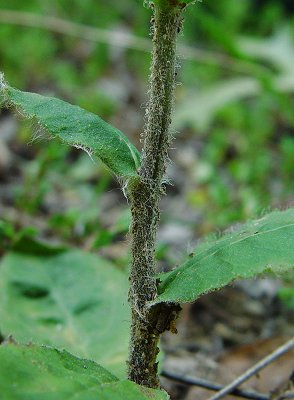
234,119
234,154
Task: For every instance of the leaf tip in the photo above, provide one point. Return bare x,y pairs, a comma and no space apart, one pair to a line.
3,84
3,91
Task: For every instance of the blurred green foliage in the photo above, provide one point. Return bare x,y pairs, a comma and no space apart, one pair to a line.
244,153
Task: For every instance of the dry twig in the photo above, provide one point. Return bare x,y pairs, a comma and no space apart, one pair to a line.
188,380
253,370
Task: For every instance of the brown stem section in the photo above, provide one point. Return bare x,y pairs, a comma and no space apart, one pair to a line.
144,195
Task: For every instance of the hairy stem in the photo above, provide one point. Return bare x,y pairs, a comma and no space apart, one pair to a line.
144,195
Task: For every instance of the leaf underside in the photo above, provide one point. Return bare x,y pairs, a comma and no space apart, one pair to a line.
72,300
32,373
259,246
78,127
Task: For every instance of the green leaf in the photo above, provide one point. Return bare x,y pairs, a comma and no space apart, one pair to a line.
72,300
78,127
29,245
263,245
32,373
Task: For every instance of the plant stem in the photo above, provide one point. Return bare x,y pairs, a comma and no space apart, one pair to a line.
144,195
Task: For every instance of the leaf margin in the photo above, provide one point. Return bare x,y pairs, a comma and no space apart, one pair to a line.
82,377
170,279
127,164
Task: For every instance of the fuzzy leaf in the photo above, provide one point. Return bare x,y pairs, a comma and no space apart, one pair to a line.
72,300
263,245
33,372
78,127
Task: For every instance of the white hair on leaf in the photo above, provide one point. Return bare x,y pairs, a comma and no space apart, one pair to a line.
2,82
86,149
